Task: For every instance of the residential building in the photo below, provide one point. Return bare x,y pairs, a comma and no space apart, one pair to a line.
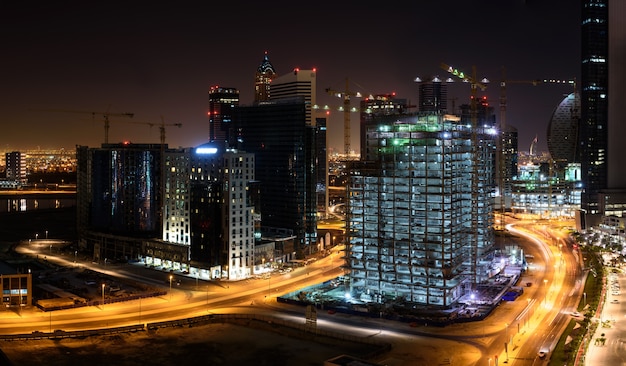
15,163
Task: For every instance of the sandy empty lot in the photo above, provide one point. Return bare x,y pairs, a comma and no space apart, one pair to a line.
214,344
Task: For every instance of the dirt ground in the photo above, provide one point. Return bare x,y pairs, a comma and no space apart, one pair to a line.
214,344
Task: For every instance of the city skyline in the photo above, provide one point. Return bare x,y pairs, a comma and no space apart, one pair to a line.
99,58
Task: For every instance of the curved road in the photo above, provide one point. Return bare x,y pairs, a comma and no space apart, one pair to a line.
534,321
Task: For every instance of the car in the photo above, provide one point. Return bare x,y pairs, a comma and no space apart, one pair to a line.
614,301
576,314
542,354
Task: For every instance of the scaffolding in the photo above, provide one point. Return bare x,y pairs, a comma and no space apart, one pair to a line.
412,231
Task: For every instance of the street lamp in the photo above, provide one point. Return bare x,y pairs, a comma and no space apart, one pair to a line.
170,287
584,299
507,332
103,296
506,342
46,234
75,255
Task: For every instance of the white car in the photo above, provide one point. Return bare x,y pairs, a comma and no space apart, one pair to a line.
576,314
542,354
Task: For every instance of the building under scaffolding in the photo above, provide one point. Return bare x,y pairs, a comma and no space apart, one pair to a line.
419,216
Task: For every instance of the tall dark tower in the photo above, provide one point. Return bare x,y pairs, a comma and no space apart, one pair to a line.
593,131
265,73
221,103
433,95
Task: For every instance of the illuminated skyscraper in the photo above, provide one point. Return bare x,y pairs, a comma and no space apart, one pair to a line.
594,131
265,73
221,103
433,95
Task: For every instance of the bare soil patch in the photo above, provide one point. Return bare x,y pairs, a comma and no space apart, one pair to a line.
214,344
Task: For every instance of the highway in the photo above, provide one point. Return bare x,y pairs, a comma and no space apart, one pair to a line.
532,323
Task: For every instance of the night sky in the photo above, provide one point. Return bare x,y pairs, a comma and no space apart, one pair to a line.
159,60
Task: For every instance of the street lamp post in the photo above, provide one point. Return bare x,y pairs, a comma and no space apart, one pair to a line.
20,294
46,234
506,342
170,287
75,255
103,296
584,299
507,332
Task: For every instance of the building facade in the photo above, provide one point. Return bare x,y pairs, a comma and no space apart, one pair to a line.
283,143
299,84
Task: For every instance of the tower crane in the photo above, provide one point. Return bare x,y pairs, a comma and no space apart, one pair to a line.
105,115
346,94
161,128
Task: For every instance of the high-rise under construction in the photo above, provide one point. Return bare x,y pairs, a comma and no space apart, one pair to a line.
420,210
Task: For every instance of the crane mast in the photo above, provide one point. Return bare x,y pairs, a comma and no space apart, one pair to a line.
346,94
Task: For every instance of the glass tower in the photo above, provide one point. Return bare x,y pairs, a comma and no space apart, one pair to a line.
593,131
